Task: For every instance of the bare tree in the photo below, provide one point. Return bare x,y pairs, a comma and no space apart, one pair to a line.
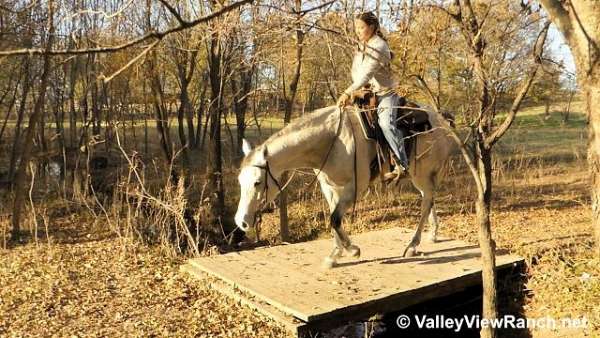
216,70
484,132
26,87
34,120
290,98
578,22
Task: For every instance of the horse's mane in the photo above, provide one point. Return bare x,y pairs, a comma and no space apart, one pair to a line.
310,120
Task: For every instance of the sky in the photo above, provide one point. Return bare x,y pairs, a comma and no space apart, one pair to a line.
560,49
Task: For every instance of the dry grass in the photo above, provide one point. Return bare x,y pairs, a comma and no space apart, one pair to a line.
82,279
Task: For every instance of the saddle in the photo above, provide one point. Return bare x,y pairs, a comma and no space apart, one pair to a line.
410,120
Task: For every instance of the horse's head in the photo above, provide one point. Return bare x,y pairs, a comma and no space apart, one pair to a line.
258,186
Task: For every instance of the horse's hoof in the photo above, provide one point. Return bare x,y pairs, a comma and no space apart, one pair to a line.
432,238
329,263
354,251
409,252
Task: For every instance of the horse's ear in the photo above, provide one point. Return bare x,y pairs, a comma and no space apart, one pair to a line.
246,147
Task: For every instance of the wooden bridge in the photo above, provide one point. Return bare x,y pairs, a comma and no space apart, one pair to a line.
288,284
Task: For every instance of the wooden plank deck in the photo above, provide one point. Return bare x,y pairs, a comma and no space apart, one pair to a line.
288,283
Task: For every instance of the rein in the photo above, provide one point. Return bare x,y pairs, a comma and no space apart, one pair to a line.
337,133
267,168
269,173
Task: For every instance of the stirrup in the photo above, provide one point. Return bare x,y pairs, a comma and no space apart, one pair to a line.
399,172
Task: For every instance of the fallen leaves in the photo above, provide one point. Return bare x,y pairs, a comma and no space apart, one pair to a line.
93,289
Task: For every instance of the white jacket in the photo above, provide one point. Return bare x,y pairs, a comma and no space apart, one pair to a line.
371,64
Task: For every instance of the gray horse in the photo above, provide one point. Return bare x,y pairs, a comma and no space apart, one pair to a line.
331,142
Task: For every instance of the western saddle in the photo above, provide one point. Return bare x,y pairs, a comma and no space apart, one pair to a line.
411,120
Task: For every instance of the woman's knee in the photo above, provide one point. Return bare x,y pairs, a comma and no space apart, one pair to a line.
386,112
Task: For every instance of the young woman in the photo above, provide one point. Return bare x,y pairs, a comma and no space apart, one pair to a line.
371,65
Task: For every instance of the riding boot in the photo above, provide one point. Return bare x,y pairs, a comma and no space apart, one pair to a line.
398,171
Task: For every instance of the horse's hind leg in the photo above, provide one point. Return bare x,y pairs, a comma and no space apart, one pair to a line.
427,188
434,224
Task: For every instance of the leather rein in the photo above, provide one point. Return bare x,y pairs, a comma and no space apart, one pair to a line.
269,173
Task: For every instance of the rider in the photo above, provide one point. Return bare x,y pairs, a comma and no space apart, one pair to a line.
371,65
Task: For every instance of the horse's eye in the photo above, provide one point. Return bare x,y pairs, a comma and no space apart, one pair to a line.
257,183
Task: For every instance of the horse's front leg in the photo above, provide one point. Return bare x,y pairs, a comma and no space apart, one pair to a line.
341,241
338,203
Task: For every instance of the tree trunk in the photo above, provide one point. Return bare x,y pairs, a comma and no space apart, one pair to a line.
486,242
567,111
185,71
34,120
59,115
8,111
289,106
296,79
592,105
189,116
240,104
96,123
199,112
42,134
182,113
578,22
216,163
16,148
160,109
73,110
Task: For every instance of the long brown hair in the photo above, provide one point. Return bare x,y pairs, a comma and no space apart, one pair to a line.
371,19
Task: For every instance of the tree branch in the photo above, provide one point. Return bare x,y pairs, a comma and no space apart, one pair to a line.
305,11
454,16
428,91
174,12
109,49
537,55
131,62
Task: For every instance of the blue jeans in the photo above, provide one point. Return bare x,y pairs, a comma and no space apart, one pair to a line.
387,117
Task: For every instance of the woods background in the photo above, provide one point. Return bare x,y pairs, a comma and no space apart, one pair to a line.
175,107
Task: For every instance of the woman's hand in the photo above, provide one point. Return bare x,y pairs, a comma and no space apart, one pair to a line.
343,100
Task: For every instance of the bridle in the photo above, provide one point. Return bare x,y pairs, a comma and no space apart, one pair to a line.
269,174
263,204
